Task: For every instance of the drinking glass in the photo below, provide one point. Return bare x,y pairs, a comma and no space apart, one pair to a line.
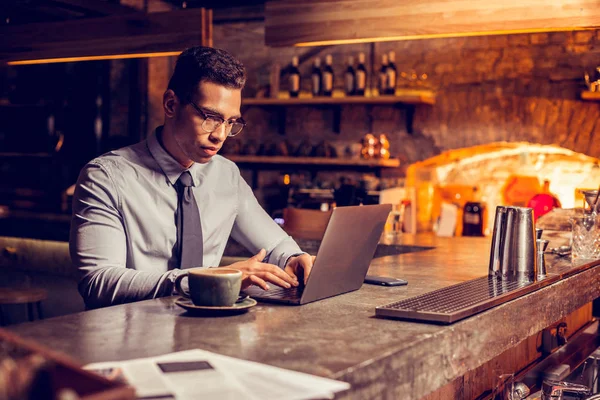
585,239
590,201
396,220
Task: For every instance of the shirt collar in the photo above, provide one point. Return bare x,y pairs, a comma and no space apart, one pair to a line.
170,167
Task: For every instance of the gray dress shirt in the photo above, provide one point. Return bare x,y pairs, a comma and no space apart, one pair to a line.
123,229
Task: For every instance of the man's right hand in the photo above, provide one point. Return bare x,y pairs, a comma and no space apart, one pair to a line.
255,272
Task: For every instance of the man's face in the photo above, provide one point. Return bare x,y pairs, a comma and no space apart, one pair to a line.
215,101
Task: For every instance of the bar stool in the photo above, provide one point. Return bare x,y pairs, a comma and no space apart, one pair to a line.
29,296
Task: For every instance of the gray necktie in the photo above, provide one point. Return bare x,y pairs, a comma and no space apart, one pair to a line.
189,227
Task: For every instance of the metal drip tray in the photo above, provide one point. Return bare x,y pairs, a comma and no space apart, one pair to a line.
459,301
453,303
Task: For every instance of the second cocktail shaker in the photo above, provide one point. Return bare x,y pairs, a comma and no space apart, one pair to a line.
513,253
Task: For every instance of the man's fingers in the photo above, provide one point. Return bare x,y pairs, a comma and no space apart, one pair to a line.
307,267
290,271
269,277
306,264
260,255
278,272
258,282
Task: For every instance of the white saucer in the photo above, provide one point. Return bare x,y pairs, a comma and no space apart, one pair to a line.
186,303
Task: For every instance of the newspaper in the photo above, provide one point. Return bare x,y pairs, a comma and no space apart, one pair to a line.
199,374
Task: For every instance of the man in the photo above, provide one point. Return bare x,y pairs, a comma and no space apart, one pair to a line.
135,210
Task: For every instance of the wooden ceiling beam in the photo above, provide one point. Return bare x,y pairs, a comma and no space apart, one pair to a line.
318,22
135,33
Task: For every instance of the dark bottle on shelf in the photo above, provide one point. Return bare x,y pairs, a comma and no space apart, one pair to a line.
316,78
360,76
382,81
294,78
473,217
350,78
328,76
392,74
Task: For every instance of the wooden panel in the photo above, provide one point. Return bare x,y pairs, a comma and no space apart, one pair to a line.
99,7
390,163
207,39
481,380
305,224
254,12
315,21
114,35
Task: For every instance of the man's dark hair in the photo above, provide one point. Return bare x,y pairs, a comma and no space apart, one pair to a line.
205,64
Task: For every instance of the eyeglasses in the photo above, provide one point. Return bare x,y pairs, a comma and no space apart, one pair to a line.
212,122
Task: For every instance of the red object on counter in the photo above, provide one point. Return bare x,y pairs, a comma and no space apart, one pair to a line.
543,203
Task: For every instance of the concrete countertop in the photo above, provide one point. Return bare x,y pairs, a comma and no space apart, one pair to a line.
340,337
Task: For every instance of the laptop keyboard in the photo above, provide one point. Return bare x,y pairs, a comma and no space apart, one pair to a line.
282,293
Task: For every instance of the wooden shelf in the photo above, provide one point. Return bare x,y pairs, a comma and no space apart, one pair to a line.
7,213
405,96
6,104
328,193
312,164
312,161
593,96
19,155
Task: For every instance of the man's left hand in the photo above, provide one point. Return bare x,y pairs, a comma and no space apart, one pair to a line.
299,266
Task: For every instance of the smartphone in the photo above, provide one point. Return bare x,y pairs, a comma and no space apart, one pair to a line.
384,281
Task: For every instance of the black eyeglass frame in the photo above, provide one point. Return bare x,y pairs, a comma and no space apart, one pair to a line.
229,125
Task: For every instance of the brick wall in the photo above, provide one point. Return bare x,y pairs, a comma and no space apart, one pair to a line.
512,87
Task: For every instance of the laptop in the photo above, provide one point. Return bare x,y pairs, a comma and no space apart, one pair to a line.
343,259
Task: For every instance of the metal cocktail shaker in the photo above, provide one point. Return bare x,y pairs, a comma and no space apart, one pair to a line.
497,242
524,256
513,253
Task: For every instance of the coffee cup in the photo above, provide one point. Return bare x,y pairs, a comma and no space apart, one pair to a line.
211,287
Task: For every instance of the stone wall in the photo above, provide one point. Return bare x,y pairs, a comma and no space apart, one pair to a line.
511,87
489,89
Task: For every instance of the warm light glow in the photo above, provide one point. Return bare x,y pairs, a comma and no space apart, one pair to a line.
437,36
286,179
490,166
563,181
94,58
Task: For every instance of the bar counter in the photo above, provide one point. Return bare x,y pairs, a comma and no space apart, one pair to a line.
340,337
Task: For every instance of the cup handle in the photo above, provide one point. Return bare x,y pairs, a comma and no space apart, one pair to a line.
178,284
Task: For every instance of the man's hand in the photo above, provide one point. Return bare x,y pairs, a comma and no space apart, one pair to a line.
255,272
300,266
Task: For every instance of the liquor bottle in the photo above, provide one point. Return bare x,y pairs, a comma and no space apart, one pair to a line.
543,203
382,81
361,76
294,78
473,217
392,74
316,78
328,76
350,78
383,148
